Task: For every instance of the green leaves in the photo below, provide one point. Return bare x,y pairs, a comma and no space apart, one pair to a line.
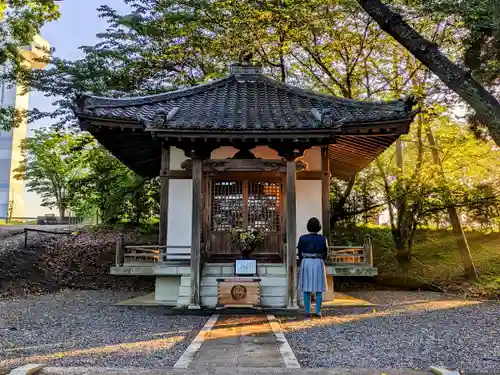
481,19
70,170
51,162
20,23
105,186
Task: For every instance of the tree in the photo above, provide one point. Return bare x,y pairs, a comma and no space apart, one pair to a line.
484,208
486,106
20,22
52,161
114,191
104,185
143,204
70,170
481,42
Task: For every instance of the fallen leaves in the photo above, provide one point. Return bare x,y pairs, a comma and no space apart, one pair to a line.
54,262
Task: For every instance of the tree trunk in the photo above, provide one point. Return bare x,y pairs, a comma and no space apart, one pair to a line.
463,246
338,210
62,212
403,252
452,75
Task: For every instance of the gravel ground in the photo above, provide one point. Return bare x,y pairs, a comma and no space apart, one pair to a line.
85,329
404,330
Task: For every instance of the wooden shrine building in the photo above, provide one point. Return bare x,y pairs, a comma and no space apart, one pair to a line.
241,151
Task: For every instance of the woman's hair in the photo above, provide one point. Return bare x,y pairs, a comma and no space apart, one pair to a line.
313,225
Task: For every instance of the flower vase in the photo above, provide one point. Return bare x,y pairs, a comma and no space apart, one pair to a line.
247,250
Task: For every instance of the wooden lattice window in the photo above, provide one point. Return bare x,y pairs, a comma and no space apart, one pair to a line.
264,201
239,204
227,205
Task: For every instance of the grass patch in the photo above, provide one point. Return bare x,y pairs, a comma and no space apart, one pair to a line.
436,261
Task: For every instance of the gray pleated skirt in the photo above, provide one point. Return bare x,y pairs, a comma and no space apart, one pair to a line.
312,275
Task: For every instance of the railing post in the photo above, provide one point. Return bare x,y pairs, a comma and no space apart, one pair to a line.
120,251
368,250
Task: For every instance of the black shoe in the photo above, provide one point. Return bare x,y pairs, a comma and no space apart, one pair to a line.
318,316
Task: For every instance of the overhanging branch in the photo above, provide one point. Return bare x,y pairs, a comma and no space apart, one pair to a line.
428,53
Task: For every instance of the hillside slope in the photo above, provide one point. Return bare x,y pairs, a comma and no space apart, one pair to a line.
54,262
436,262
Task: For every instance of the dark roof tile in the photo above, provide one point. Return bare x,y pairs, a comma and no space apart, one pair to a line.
243,102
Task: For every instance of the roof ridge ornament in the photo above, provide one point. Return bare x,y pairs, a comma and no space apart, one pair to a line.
245,66
162,117
326,118
244,69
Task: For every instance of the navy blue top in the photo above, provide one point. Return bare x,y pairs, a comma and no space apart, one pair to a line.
312,243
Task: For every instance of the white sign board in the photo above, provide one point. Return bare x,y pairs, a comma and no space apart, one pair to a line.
245,267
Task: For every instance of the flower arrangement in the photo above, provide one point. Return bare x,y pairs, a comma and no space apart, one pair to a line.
248,240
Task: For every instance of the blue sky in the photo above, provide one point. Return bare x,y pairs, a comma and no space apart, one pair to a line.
78,25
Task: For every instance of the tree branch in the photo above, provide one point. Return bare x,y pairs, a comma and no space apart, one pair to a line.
452,75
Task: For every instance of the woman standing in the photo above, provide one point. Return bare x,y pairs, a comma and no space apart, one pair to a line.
312,249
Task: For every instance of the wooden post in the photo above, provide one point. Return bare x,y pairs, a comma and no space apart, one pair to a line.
196,232
165,160
325,193
291,232
119,251
368,251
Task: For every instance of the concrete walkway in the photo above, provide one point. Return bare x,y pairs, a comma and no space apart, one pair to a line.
238,342
252,345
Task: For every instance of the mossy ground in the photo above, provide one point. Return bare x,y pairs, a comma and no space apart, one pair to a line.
436,261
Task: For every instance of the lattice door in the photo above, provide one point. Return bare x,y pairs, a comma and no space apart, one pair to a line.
264,213
227,205
241,204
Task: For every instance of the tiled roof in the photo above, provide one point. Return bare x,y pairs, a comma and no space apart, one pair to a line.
244,101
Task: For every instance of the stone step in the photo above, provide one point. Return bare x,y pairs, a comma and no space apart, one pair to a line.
227,269
223,371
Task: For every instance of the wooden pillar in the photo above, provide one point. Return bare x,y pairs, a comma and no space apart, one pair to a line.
165,161
368,251
291,232
119,251
196,232
325,193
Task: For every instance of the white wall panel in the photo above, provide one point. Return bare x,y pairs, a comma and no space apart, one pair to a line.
180,203
308,203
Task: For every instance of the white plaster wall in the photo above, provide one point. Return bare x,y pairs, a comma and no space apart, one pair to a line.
177,156
308,203
263,152
180,203
312,158
223,152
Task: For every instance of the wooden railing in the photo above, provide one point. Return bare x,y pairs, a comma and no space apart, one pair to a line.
352,255
142,254
361,256
150,254
342,255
